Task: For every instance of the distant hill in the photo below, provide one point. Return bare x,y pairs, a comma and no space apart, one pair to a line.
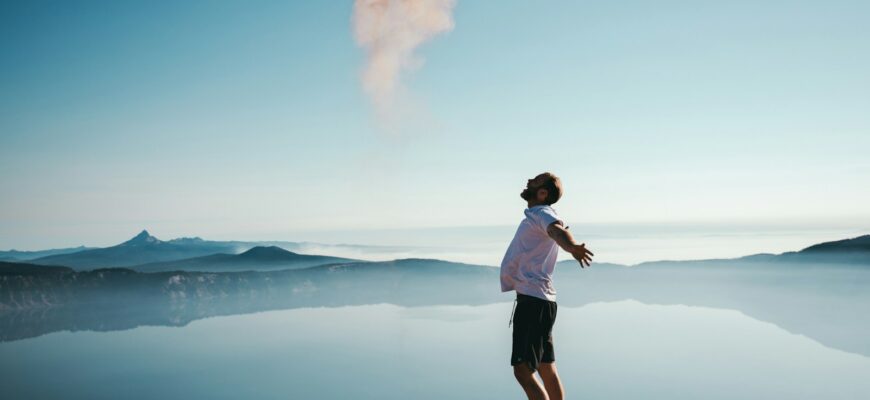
141,249
147,253
16,255
854,251
849,251
260,258
145,249
859,244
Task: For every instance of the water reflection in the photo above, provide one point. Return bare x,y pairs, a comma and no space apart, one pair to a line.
825,303
624,349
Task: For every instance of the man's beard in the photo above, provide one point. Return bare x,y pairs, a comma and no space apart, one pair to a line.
526,194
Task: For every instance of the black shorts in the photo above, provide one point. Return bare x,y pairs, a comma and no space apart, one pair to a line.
533,320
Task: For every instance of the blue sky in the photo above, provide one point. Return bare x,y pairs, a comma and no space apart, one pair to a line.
247,119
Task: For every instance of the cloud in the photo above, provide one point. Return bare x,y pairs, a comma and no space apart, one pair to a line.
390,31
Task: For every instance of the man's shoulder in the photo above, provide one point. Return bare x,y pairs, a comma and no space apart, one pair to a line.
543,209
546,213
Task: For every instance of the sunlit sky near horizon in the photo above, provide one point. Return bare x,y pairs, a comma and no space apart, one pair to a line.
247,120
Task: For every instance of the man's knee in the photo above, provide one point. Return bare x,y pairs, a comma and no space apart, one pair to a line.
548,369
524,373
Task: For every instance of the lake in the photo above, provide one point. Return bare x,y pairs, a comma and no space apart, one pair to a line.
604,350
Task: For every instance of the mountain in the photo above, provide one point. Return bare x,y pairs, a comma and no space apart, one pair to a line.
854,251
16,255
141,249
860,244
847,251
260,258
145,249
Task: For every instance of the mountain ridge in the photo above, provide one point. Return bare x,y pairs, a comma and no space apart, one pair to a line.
145,248
258,258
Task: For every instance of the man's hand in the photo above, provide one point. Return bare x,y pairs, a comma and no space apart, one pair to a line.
581,254
564,239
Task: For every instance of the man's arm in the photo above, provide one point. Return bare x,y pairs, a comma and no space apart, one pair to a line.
566,241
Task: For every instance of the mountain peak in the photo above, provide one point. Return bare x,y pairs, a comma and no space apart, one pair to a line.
143,238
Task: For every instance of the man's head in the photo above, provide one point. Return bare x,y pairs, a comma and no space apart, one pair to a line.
545,188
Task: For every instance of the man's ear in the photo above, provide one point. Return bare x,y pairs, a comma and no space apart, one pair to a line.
542,194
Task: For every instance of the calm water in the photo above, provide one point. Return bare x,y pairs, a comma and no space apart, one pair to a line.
611,350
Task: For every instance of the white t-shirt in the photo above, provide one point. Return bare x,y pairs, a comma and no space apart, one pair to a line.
528,264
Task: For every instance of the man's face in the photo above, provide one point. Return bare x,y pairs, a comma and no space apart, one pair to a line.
532,186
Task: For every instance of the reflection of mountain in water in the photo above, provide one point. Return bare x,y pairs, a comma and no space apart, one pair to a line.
824,301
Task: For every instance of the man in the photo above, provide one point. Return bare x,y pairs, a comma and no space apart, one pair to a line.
527,268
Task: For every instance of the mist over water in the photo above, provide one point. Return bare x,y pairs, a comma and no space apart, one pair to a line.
620,244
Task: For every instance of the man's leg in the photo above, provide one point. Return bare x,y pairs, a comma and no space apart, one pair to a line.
552,383
526,377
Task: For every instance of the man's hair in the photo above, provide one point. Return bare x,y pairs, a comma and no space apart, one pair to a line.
554,188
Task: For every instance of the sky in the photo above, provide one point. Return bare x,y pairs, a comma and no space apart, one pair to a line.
248,120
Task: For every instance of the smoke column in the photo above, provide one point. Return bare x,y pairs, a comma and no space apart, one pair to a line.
390,31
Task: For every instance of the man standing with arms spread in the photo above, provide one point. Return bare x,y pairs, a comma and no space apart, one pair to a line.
527,268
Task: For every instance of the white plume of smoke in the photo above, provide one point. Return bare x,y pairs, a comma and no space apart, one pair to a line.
390,31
